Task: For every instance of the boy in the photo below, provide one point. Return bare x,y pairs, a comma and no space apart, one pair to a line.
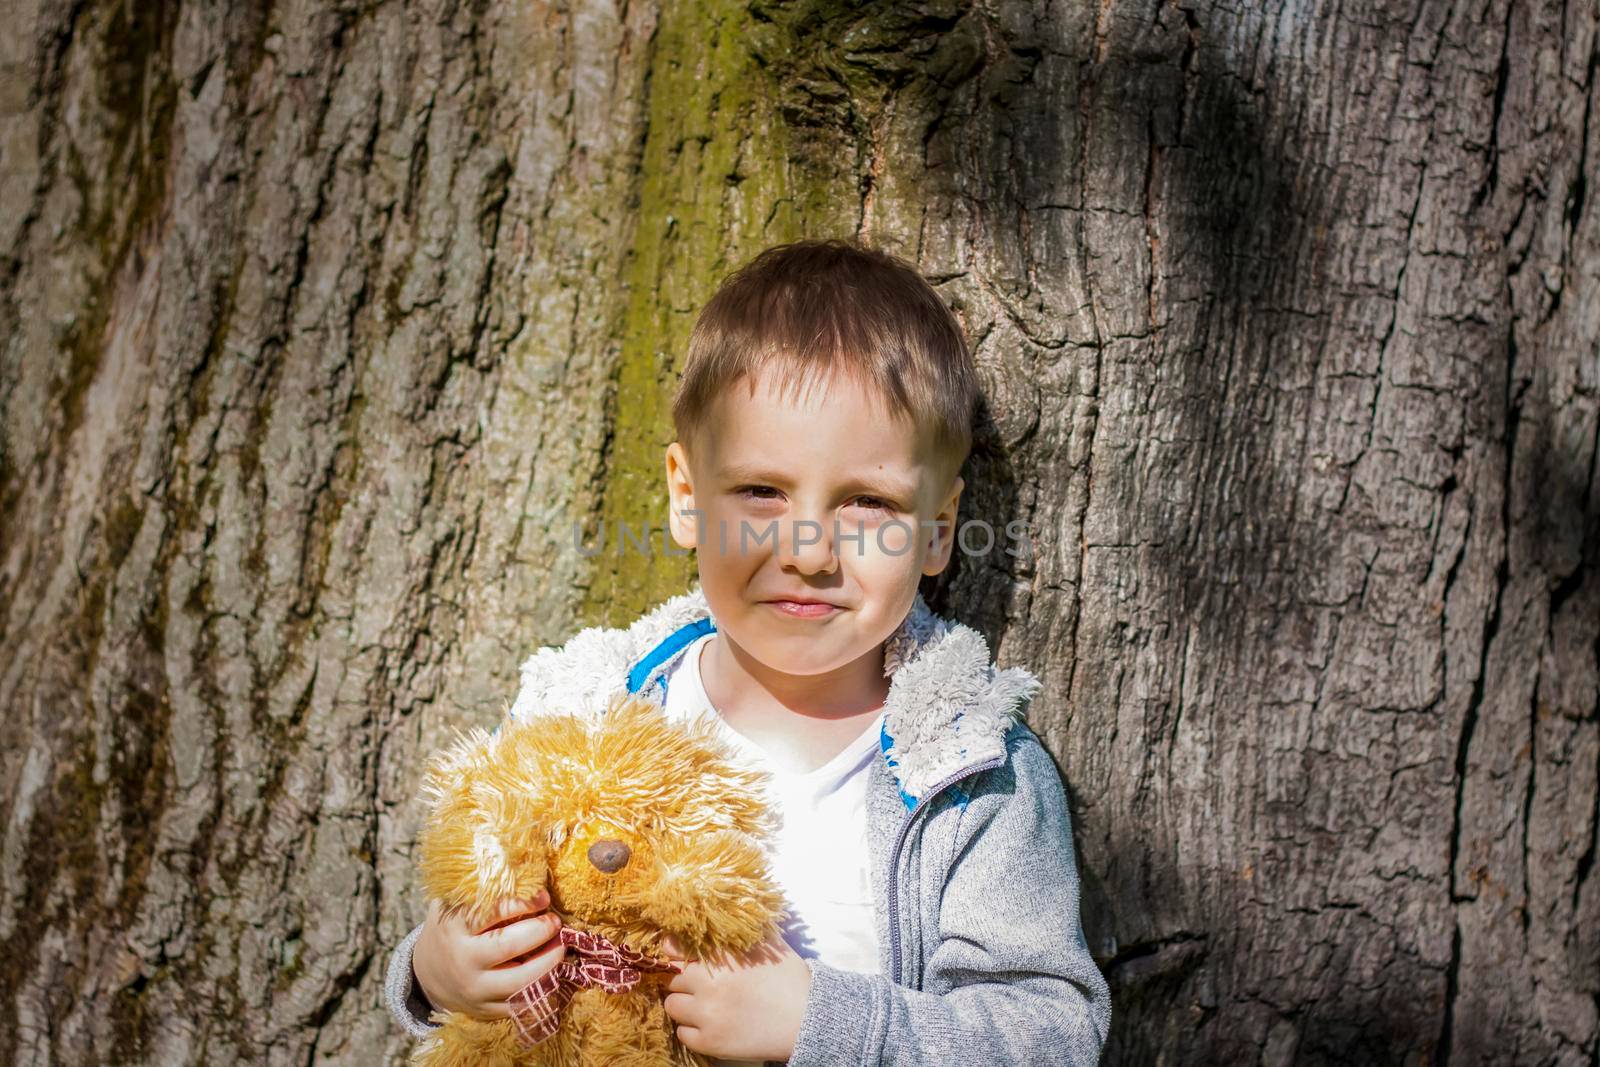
926,851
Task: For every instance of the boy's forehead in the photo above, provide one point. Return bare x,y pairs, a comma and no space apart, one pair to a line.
749,431
824,398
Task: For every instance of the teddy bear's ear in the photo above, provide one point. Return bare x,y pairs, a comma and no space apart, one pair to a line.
715,894
446,771
484,841
737,797
477,854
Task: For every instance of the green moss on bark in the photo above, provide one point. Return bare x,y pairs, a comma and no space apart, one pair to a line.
718,182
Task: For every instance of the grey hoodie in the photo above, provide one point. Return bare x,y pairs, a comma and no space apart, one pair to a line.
973,867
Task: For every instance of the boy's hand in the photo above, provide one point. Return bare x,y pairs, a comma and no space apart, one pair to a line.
474,971
749,1010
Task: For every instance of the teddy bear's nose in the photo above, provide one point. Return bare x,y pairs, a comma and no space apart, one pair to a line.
608,856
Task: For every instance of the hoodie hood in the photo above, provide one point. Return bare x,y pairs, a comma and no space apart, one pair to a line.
949,707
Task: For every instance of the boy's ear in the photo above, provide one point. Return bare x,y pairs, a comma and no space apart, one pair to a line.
942,538
681,519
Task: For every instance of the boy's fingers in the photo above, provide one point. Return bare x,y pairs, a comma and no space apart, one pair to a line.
680,1008
689,1037
512,909
514,939
502,982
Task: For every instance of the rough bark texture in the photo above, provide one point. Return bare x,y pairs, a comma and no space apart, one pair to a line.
322,326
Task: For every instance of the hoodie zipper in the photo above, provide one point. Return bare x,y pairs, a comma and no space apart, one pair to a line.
900,841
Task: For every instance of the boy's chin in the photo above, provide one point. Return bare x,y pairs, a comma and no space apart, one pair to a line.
802,653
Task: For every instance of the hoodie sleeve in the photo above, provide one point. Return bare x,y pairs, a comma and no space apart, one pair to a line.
1010,980
403,995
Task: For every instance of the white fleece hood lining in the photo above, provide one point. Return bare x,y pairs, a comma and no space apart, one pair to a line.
948,706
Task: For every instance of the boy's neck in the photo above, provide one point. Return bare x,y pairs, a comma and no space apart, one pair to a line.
740,685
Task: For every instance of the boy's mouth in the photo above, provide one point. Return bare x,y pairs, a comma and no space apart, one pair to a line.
803,609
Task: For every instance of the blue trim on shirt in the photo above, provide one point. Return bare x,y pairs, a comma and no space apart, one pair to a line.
639,675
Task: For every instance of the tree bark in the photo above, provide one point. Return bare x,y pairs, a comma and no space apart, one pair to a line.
326,330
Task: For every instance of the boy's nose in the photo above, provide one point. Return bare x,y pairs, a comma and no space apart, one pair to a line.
808,547
608,856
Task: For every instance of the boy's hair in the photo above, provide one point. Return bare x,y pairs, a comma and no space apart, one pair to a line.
812,307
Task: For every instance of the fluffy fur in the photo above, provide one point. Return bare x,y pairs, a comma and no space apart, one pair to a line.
519,809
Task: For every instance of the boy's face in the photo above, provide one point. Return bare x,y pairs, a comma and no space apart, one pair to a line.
825,498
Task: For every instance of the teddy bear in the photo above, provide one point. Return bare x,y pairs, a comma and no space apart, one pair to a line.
640,827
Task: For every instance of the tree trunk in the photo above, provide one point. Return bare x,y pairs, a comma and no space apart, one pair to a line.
330,337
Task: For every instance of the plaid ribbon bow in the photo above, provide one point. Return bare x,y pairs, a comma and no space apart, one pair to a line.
600,963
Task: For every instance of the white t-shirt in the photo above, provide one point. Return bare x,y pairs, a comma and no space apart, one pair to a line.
819,856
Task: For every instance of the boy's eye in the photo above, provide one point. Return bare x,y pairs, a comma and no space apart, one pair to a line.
767,492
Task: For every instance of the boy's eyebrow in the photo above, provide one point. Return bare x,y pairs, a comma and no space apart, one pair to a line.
880,484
